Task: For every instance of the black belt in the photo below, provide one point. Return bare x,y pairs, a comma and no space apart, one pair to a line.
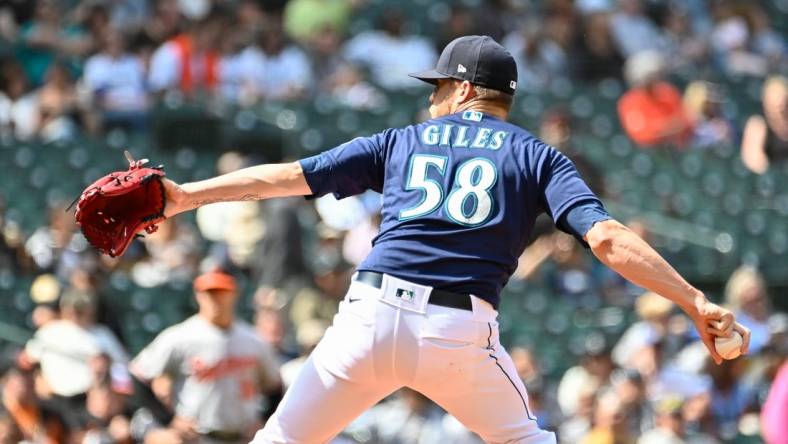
437,297
221,435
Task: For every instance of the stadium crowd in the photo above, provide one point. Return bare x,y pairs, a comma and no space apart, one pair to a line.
74,67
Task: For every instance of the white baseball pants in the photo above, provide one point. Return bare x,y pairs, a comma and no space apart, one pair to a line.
387,338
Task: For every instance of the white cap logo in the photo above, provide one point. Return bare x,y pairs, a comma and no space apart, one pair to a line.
461,68
513,84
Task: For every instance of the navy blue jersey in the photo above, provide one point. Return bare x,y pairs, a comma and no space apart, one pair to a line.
460,197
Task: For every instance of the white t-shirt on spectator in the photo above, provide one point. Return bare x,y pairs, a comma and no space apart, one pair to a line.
217,373
164,68
20,117
391,59
121,81
274,76
64,350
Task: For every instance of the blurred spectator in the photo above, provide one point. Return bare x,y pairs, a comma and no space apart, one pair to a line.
59,107
390,54
765,139
731,395
745,295
308,336
31,419
570,274
651,112
44,292
128,15
48,244
105,405
331,280
407,418
271,326
703,103
557,129
172,255
348,88
13,258
581,381
743,41
539,59
165,23
218,365
459,23
274,69
654,310
235,228
688,50
65,347
669,427
116,80
595,56
773,423
46,37
19,114
304,18
766,40
189,62
609,424
631,390
632,30
281,245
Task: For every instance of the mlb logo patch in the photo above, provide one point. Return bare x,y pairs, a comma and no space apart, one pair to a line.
405,295
474,116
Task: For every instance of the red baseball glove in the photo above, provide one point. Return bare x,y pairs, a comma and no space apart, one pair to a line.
116,207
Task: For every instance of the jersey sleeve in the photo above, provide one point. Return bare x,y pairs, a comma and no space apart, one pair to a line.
348,169
158,358
580,217
560,185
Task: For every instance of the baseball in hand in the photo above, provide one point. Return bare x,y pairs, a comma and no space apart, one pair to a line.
729,348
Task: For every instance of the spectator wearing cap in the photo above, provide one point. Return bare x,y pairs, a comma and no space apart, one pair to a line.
651,111
219,368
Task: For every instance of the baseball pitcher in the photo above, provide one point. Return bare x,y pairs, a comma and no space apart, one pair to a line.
460,195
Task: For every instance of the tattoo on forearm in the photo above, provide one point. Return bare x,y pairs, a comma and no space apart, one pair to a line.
245,197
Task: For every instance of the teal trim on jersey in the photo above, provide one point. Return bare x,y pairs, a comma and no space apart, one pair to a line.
476,201
408,187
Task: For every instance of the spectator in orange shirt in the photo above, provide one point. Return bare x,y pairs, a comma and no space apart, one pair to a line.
651,112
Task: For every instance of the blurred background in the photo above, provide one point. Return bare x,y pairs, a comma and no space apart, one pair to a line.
675,112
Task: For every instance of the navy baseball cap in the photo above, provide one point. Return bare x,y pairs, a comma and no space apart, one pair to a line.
478,59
